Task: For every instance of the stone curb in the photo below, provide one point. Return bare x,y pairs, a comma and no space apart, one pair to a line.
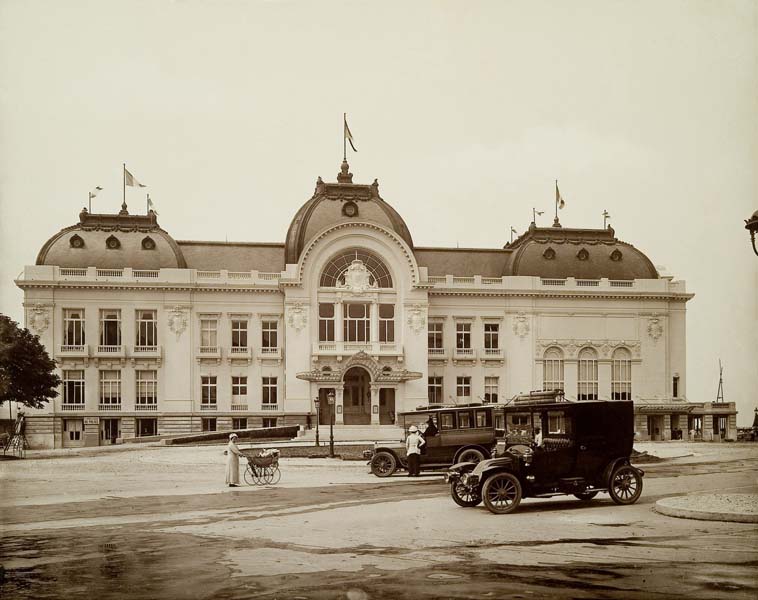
709,507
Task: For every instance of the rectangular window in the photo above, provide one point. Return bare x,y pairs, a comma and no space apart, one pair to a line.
435,390
483,418
435,336
269,421
386,322
73,327
492,336
239,333
110,328
73,427
447,420
587,382
147,328
552,377
209,334
147,427
464,420
269,334
110,387
463,387
147,387
73,387
325,322
491,389
209,423
239,423
239,390
675,387
209,391
269,390
463,336
357,323
558,423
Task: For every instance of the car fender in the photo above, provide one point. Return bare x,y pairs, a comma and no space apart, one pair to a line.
485,451
615,463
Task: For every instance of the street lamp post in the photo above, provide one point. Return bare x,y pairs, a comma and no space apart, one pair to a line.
317,402
331,424
752,226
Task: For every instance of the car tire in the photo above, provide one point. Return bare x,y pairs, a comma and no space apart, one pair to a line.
586,496
383,464
625,485
502,493
462,497
471,455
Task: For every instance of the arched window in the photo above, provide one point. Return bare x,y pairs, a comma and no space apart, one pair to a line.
334,273
552,372
621,375
587,374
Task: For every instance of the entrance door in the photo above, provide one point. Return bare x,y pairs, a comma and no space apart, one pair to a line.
654,427
110,429
356,399
386,406
73,433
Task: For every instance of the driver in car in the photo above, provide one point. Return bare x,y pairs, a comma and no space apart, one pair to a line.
537,437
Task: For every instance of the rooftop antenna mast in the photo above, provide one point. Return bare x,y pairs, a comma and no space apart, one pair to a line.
720,392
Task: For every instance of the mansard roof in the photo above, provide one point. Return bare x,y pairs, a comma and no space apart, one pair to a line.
560,252
113,241
341,202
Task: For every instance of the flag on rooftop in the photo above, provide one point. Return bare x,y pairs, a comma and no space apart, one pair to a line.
131,180
94,192
558,198
150,205
348,135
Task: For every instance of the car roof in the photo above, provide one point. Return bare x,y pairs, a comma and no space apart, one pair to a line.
441,407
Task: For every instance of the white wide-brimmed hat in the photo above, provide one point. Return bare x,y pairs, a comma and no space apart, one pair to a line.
232,436
413,429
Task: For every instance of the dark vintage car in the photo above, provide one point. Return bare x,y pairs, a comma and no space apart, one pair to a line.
452,434
584,449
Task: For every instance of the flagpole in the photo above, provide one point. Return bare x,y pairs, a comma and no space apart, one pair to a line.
556,199
123,174
90,202
344,137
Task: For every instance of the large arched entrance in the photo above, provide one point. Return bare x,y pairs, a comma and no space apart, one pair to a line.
356,399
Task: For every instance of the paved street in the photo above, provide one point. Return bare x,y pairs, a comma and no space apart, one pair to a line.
158,523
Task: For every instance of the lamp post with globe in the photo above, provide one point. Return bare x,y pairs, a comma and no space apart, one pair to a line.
331,423
317,404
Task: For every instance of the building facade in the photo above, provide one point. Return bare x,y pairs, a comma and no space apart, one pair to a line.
155,336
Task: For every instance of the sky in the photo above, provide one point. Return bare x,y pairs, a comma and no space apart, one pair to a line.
466,112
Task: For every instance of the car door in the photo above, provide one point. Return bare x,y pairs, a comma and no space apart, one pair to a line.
556,457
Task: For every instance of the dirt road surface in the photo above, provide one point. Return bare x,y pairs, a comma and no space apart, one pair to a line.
158,523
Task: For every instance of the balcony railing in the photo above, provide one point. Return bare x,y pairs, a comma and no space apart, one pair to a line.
492,354
464,354
208,407
239,407
587,283
109,407
72,406
437,353
270,407
73,272
553,282
342,348
150,406
143,274
240,352
209,351
110,351
621,284
267,352
110,272
73,350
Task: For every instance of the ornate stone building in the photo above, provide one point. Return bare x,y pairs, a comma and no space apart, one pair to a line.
155,336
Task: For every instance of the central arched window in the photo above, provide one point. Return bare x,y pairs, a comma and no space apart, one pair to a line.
333,274
587,374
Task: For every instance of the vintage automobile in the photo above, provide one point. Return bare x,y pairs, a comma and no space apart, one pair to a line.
584,449
456,433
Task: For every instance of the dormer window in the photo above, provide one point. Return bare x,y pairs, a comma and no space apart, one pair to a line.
148,243
549,254
583,254
616,255
76,241
112,243
350,209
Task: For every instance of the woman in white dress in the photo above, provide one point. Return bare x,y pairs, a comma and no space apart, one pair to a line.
233,462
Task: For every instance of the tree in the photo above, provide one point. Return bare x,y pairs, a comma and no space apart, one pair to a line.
27,373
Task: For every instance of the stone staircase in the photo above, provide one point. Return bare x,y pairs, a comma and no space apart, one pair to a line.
354,433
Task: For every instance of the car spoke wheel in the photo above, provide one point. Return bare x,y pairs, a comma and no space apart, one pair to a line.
471,455
383,464
502,493
463,496
586,496
626,485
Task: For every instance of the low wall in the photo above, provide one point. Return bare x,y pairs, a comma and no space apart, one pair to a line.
288,432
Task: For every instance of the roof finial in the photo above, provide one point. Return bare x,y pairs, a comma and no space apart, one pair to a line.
344,176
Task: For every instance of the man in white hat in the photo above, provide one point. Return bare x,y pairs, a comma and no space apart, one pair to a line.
413,444
233,462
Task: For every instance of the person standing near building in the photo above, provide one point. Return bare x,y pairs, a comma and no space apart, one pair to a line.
233,462
413,444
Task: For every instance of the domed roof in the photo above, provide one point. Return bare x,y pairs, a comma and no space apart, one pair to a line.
113,242
558,252
341,202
